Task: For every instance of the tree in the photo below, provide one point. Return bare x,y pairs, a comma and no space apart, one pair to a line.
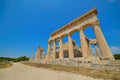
22,58
117,56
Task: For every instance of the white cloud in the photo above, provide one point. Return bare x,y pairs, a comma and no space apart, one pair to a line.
111,0
115,49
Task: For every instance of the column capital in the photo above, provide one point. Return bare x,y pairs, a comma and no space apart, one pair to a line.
54,40
61,37
95,23
49,42
69,34
80,29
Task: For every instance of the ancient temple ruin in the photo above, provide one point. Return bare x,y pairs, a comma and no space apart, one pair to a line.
39,53
70,50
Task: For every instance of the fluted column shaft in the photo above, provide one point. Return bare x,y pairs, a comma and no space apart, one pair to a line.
97,51
71,55
48,51
54,49
84,45
61,49
102,42
90,51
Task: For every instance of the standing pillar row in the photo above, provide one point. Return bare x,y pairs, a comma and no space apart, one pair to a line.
71,55
102,42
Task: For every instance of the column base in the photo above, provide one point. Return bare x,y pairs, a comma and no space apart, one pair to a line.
108,58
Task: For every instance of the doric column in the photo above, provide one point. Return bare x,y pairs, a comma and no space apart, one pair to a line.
61,49
97,51
89,48
84,45
102,42
71,55
90,51
54,49
48,54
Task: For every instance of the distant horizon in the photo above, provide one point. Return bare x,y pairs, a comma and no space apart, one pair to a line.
24,25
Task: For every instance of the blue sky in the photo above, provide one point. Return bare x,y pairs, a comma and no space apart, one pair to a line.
26,24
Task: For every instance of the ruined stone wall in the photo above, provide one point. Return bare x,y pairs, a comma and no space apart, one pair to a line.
95,65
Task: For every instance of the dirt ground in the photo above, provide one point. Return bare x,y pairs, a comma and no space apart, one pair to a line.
23,72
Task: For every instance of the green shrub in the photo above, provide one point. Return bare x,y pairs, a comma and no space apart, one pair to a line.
117,56
22,58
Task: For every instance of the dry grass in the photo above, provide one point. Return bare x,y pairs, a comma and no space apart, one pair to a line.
5,64
106,75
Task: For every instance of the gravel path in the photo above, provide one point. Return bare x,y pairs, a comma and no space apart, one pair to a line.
23,72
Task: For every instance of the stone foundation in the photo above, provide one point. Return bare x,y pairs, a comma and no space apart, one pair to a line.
95,65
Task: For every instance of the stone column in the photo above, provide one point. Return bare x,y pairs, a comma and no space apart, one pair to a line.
102,42
61,49
71,55
97,51
54,49
89,48
48,54
90,51
84,45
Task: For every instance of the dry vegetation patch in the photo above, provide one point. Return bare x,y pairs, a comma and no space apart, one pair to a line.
5,64
104,74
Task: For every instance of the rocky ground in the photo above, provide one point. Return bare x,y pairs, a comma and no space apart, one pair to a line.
19,71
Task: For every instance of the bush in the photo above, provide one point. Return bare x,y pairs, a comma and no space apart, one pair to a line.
117,56
22,58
